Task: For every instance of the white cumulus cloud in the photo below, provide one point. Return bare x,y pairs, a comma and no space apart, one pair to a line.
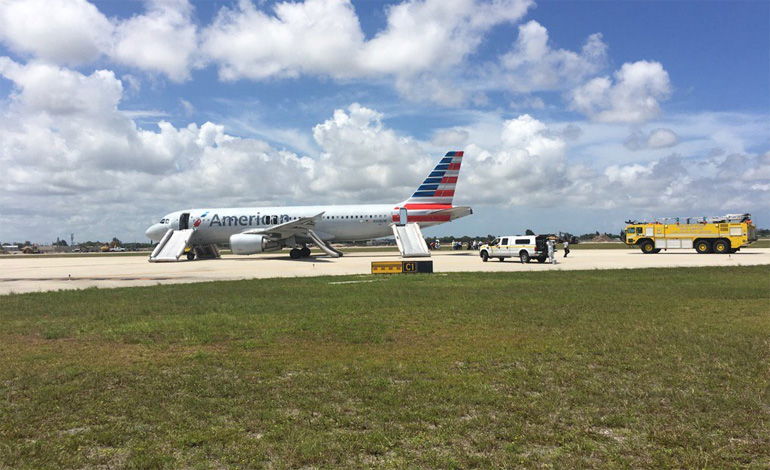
421,41
657,139
364,160
634,96
64,31
163,40
312,37
529,165
533,64
662,138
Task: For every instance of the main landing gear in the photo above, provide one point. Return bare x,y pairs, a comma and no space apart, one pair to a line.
297,253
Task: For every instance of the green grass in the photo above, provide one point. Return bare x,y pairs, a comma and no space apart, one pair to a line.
654,368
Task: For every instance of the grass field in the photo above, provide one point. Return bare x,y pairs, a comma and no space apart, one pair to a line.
654,368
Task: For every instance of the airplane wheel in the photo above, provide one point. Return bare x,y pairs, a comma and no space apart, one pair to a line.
190,255
295,253
304,252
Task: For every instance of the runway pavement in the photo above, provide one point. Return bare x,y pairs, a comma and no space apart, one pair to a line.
20,273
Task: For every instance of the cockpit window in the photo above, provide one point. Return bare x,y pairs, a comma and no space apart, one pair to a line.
163,221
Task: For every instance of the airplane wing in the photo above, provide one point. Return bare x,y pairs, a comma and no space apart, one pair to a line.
294,228
301,228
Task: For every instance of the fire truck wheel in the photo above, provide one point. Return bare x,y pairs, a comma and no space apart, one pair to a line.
703,246
721,246
647,247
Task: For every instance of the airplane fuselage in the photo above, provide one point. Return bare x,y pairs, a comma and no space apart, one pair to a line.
338,223
251,230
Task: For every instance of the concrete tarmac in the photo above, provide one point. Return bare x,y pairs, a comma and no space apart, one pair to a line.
19,273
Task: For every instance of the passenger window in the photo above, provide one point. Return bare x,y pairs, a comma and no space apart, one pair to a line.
639,230
522,241
504,241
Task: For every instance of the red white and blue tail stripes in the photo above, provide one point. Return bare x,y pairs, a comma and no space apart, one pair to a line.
429,205
439,186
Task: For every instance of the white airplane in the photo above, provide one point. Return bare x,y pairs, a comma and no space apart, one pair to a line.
250,230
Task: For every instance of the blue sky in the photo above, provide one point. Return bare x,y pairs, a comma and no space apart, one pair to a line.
574,115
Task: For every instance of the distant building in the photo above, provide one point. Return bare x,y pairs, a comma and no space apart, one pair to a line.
11,248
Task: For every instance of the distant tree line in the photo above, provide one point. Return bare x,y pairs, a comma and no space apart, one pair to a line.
96,245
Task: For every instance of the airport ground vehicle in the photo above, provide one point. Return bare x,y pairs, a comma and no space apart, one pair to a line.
525,247
722,234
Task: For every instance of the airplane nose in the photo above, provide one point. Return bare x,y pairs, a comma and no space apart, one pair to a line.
155,232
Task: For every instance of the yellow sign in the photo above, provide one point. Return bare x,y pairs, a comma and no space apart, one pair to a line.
386,267
397,267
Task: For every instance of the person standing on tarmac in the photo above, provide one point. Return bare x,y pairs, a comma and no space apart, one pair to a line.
566,248
551,249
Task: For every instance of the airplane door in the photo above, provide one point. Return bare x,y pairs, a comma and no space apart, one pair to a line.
402,216
184,221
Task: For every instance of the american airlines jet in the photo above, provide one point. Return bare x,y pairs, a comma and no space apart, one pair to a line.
250,230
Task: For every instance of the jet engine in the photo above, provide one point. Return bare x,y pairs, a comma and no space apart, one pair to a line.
249,244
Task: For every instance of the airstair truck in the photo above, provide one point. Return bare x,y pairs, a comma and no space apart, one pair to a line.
724,234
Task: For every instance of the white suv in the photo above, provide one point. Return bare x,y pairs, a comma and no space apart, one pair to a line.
525,247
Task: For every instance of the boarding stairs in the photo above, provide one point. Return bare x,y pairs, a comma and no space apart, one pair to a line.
323,246
410,241
171,247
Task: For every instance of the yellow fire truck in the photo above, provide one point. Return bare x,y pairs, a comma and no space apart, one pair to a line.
724,234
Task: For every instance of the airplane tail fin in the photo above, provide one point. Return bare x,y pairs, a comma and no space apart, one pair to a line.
439,186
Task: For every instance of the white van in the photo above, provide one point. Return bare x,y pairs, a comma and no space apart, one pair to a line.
524,247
